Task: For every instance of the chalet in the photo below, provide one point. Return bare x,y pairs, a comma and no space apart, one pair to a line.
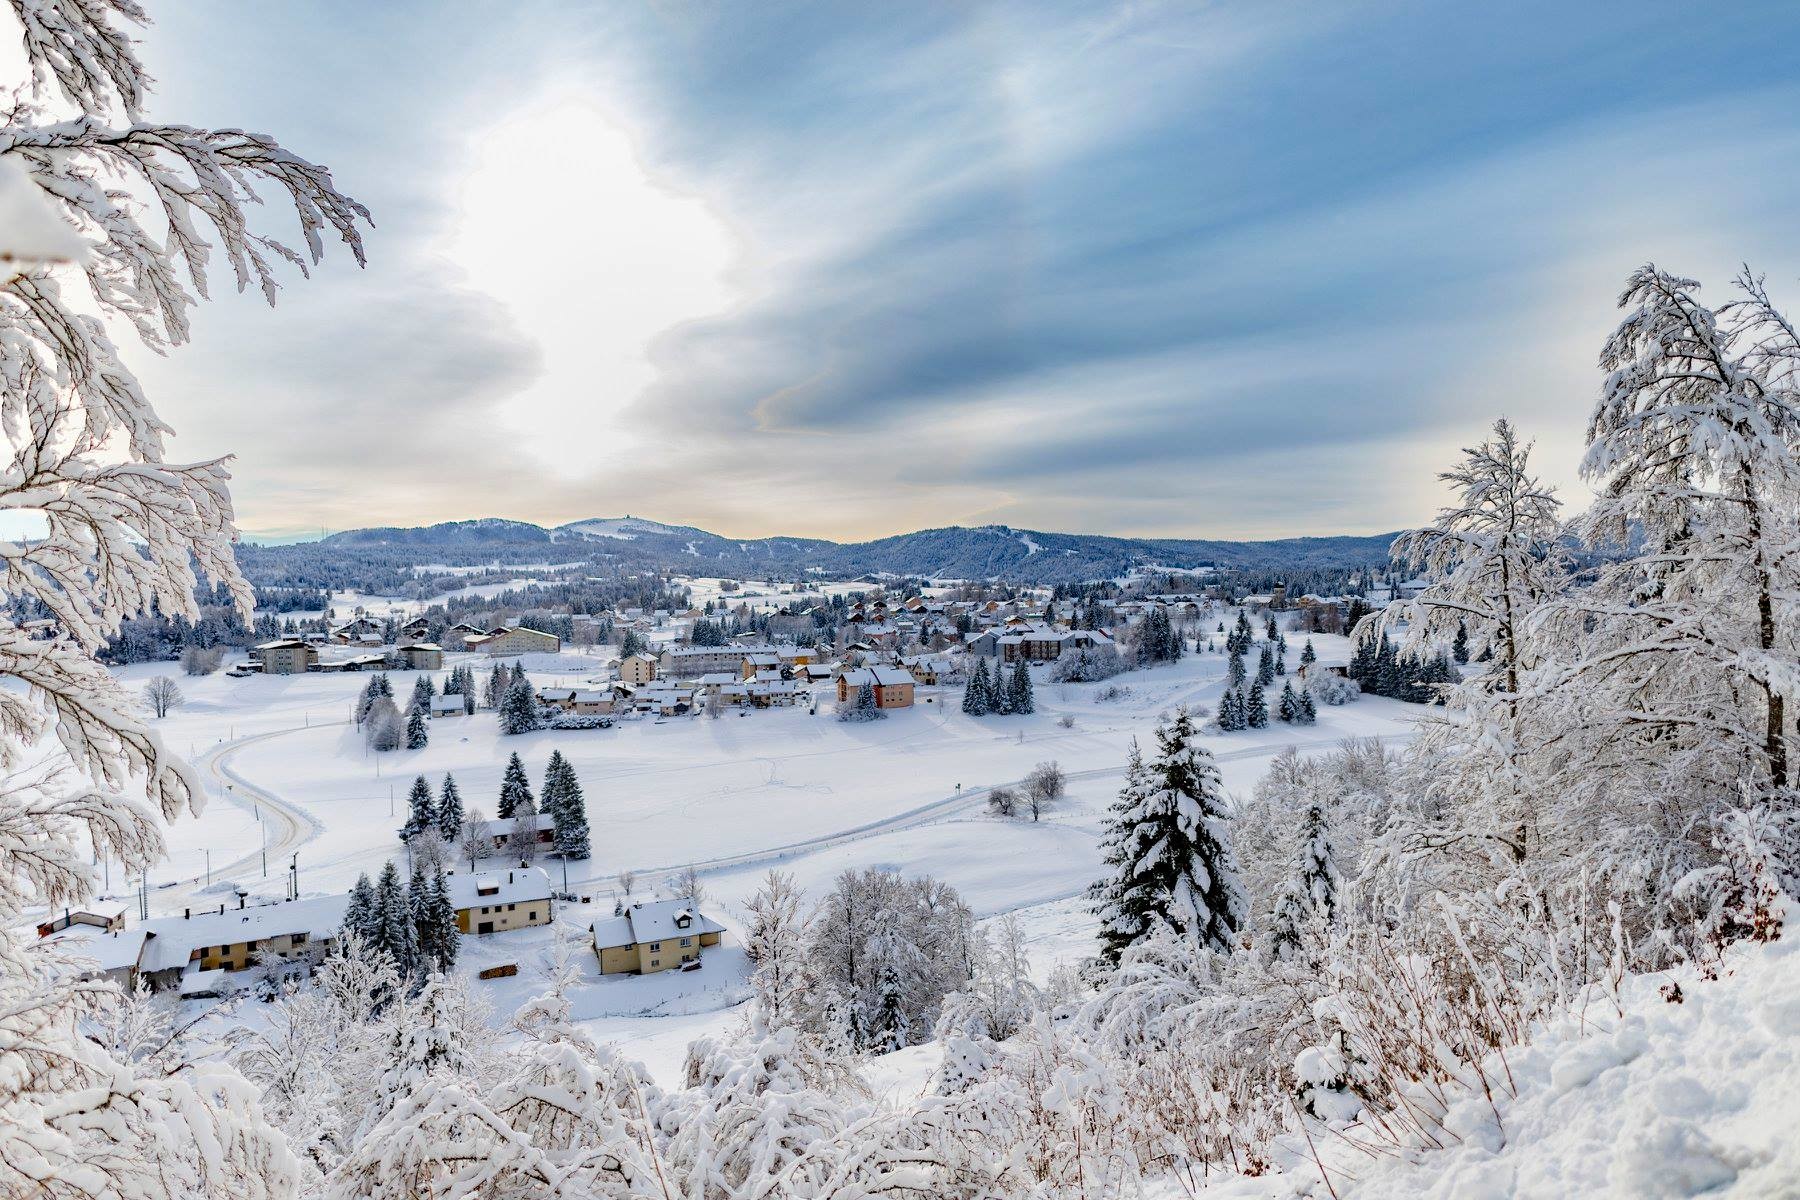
893,686
416,630
591,702
765,693
357,632
286,656
498,832
462,630
448,706
514,639
637,668
653,936
815,673
495,901
930,669
422,656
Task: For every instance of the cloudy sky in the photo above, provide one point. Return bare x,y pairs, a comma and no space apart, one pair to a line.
847,269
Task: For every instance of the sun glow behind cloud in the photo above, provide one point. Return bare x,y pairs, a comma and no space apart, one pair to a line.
562,220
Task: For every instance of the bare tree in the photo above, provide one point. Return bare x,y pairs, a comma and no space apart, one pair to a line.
1044,787
202,660
475,841
627,880
162,695
1002,801
688,887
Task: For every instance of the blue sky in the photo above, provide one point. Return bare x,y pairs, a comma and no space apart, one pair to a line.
849,269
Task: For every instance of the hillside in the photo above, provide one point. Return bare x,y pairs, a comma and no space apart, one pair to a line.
956,552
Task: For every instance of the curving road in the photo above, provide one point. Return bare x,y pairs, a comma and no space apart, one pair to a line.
294,827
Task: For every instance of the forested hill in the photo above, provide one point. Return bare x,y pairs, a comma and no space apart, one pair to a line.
987,551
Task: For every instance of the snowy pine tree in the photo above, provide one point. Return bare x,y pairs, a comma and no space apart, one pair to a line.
392,930
519,706
976,701
515,788
1019,698
567,807
421,811
1256,708
1169,851
418,727
450,811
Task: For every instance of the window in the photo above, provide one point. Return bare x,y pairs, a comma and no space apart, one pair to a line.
656,962
655,946
532,915
687,941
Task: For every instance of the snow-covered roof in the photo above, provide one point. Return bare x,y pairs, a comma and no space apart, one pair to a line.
503,826
177,937
879,676
479,888
110,951
652,921
446,704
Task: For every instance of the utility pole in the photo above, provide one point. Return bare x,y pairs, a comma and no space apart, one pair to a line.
209,868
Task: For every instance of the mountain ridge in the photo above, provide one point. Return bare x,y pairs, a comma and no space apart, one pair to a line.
947,552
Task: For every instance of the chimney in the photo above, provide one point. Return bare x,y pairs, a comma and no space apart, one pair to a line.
240,900
187,914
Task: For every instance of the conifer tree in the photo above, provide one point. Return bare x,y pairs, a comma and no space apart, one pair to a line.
1265,666
499,679
1169,850
433,920
450,811
1019,697
515,786
1459,649
975,692
422,692
567,808
359,914
421,811
519,706
1234,672
999,693
418,727
392,930
1289,707
1256,708
1308,710
1308,656
1226,721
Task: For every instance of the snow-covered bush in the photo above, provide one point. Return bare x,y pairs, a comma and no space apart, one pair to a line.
1330,689
570,720
1086,664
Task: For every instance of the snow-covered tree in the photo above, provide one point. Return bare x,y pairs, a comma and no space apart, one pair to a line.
1168,849
1256,707
113,222
522,841
515,787
567,806
418,727
1689,641
391,928
450,811
384,729
421,811
782,985
519,706
434,921
1018,693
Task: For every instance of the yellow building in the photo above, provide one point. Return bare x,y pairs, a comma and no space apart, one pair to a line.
495,901
653,936
637,669
515,640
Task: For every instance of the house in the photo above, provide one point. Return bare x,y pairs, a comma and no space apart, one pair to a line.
766,693
422,656
893,686
448,706
462,631
498,832
286,656
814,673
637,668
591,702
563,698
358,631
930,669
759,661
416,630
495,901
105,915
653,936
514,639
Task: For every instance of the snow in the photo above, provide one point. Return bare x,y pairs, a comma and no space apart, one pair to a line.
1659,1101
732,796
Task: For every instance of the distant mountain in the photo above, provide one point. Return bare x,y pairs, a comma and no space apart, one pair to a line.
956,552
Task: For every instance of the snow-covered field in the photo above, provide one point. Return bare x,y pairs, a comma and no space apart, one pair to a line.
732,796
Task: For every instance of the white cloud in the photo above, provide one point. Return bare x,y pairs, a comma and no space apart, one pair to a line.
562,221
